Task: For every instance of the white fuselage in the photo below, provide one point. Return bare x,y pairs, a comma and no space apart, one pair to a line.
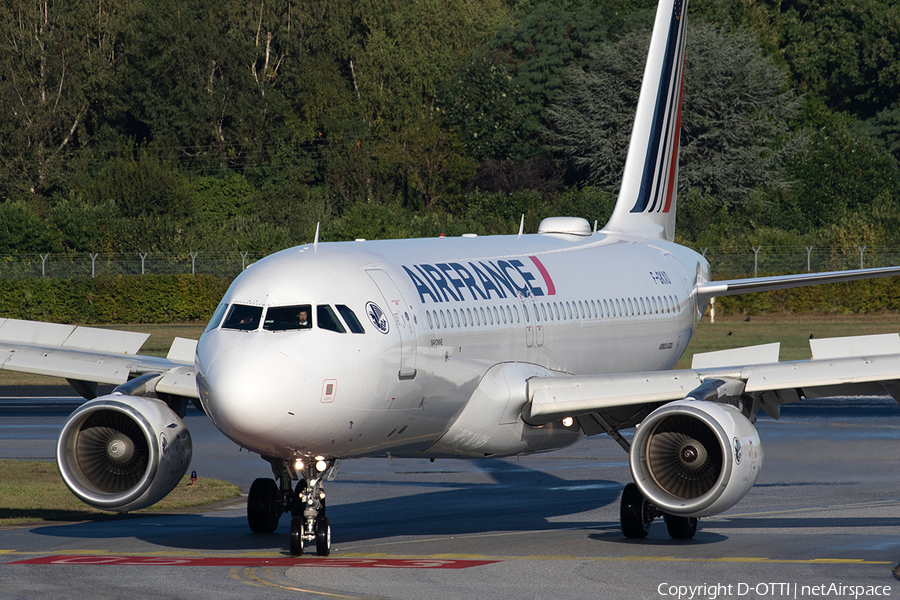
437,315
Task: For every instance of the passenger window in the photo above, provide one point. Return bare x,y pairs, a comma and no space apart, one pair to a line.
443,319
216,318
430,323
496,316
556,311
469,313
326,319
351,320
484,318
283,318
243,317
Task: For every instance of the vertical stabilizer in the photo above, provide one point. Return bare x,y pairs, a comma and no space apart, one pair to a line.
646,203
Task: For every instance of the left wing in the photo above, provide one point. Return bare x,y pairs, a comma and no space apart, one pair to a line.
88,356
839,366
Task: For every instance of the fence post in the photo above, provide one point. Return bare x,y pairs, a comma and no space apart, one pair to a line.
861,250
44,258
143,255
193,262
244,260
94,264
756,250
809,250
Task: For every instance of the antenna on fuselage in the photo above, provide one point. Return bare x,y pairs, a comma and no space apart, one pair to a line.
316,242
522,225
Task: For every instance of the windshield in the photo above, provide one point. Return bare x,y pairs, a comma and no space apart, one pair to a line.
243,317
286,318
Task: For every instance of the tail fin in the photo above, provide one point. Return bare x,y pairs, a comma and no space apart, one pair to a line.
646,203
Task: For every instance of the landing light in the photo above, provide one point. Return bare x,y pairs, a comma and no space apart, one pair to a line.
568,422
298,465
321,465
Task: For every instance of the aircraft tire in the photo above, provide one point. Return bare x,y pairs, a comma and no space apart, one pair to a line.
323,536
297,536
261,514
632,513
681,528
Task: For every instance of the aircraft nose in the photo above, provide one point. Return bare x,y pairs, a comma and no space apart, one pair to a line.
251,392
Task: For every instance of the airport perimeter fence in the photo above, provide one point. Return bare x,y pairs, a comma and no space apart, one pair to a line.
69,265
725,262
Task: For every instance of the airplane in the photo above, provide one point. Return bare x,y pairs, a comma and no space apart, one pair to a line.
460,347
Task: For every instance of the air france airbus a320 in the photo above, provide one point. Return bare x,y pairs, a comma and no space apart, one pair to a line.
460,348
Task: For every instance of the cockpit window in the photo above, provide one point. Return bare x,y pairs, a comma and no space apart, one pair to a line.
284,318
350,319
243,317
216,318
326,319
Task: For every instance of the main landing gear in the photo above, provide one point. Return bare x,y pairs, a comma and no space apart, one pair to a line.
267,501
636,513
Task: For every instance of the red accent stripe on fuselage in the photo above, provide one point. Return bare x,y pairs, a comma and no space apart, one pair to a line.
551,289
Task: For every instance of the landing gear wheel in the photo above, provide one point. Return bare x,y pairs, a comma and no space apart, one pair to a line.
323,536
681,528
634,513
262,514
297,536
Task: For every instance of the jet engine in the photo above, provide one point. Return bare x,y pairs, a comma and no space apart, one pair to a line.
123,453
695,458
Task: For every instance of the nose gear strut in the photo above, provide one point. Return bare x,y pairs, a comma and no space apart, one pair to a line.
267,501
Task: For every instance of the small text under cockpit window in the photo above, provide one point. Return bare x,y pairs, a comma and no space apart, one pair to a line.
243,317
326,319
350,319
288,318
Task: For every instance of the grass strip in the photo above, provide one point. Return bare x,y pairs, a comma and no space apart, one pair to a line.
34,491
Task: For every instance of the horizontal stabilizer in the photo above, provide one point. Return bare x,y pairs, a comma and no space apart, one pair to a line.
731,287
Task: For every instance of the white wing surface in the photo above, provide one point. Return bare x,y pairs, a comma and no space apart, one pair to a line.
90,355
840,366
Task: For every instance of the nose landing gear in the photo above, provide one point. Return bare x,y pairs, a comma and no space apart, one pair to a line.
306,503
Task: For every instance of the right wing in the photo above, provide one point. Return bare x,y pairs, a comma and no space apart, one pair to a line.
88,356
839,366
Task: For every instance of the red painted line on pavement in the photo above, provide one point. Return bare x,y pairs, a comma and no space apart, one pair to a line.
231,561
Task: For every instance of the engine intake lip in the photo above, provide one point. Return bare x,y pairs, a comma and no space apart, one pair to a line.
126,481
666,471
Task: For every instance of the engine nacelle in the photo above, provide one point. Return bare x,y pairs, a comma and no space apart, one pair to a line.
123,453
695,458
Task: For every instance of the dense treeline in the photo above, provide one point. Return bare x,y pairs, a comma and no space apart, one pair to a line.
131,125
189,299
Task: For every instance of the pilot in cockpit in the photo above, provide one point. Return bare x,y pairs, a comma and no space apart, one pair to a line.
303,319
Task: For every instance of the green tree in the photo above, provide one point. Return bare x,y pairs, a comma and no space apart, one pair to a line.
841,172
735,122
847,52
58,66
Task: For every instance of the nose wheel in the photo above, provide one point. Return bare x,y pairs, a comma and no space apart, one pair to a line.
267,501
